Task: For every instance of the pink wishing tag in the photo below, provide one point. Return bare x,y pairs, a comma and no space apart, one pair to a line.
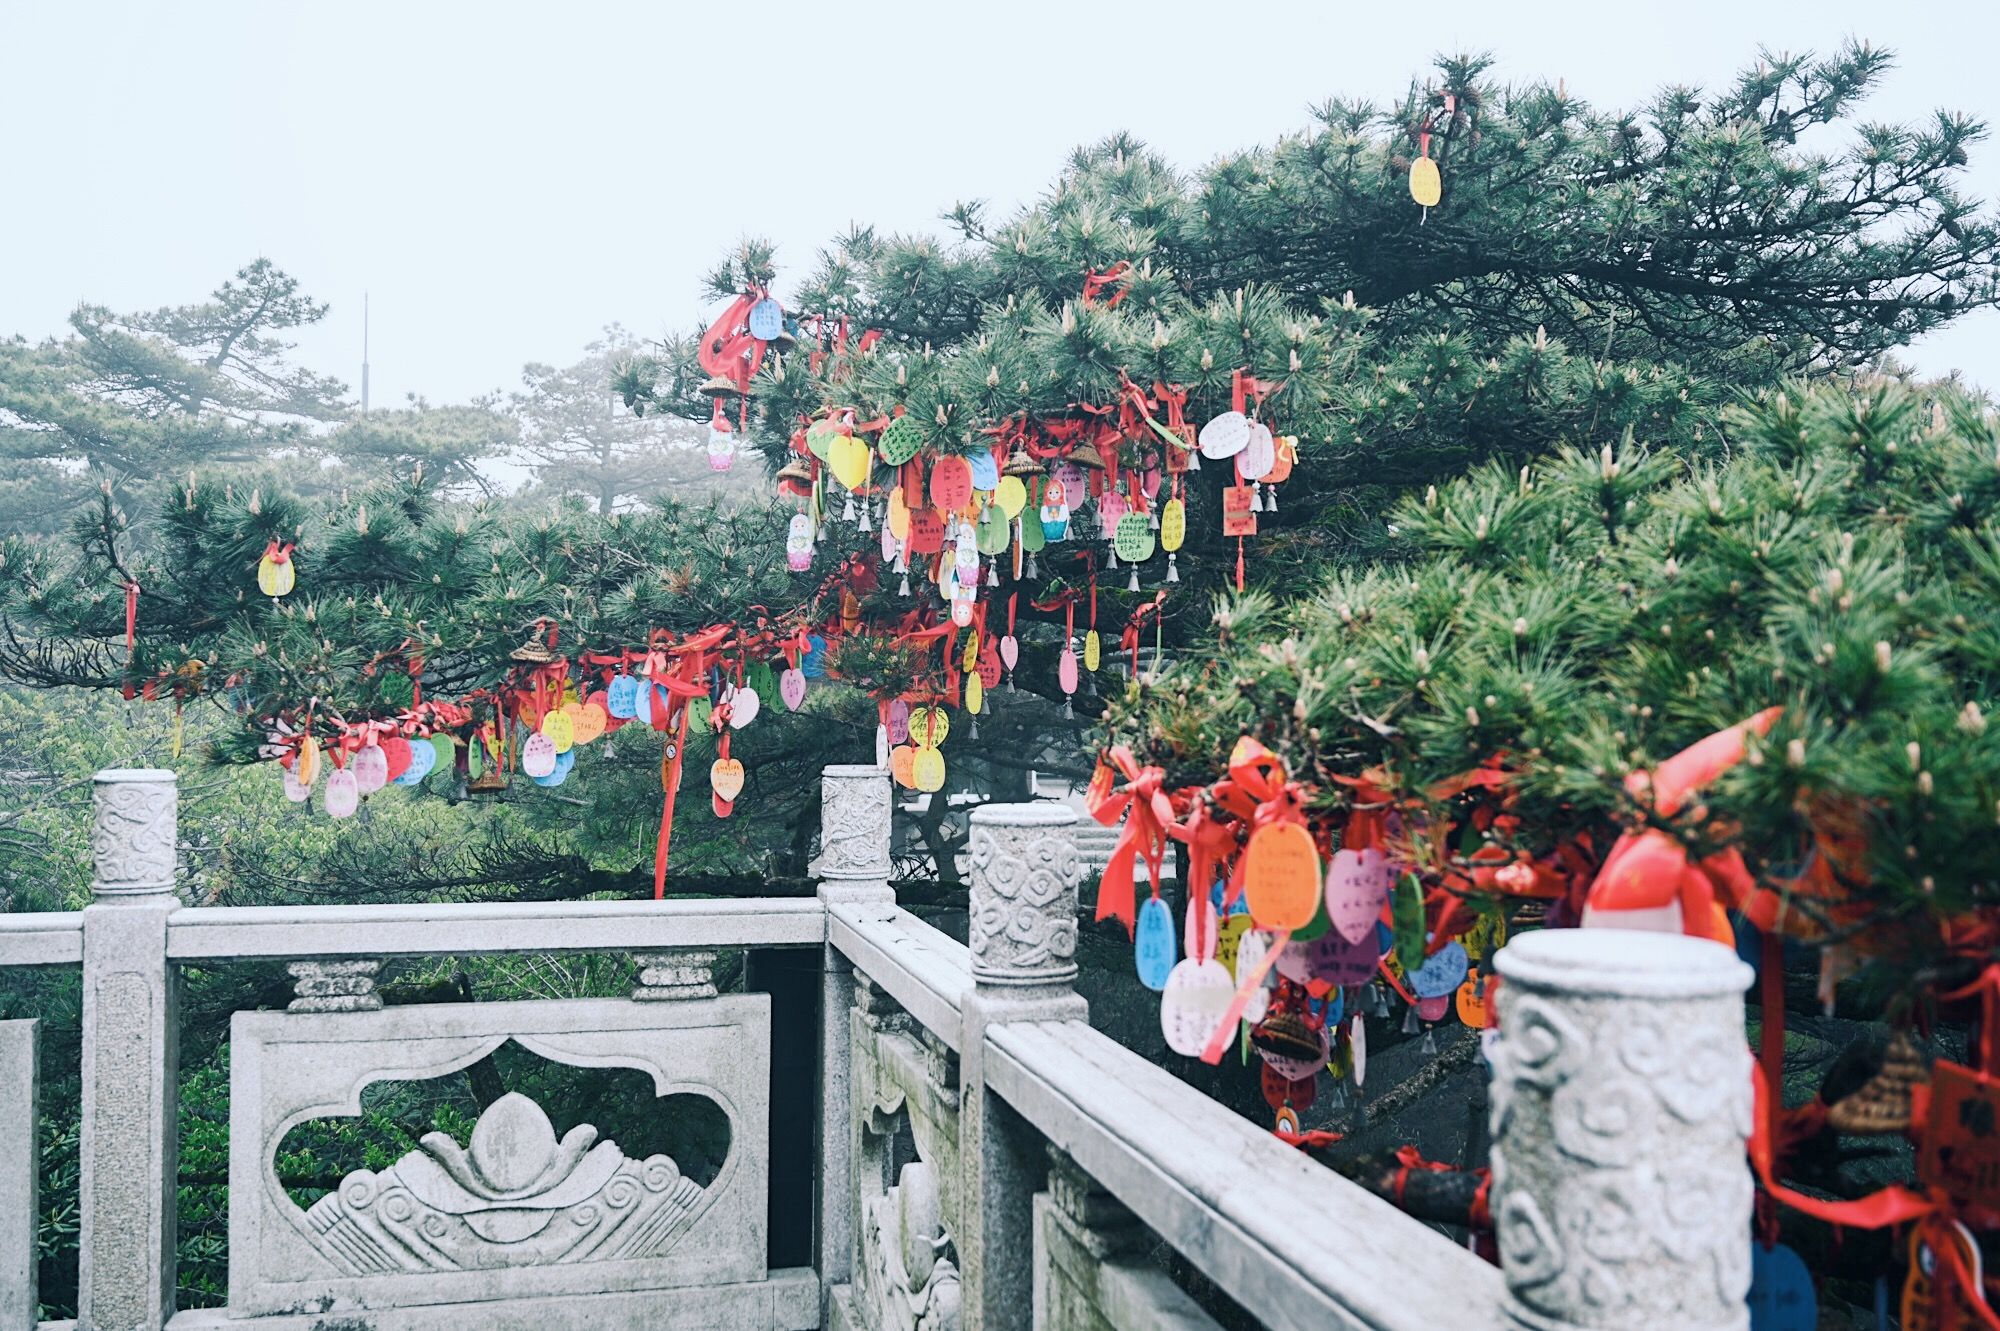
1357,887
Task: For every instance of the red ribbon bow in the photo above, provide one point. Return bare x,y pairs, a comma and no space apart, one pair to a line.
1152,815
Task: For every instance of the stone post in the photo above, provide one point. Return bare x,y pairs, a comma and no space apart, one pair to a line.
20,1160
856,803
129,1138
854,809
1620,1104
1022,933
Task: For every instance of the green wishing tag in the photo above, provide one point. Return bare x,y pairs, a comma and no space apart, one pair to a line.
1032,537
899,442
1132,541
1408,914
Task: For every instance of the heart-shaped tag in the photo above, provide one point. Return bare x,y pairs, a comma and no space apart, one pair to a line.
1442,972
744,704
792,688
1010,651
850,460
1357,885
725,777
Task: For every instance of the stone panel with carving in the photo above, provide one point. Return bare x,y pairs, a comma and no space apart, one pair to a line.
515,1197
518,1212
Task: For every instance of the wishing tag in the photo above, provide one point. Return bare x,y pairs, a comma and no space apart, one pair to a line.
1011,496
1229,939
1357,887
897,521
989,664
985,471
1093,650
297,791
725,778
307,763
1153,943
1010,651
1259,455
926,532
1357,1048
744,704
1225,435
1471,1002
903,766
1133,542
1198,934
995,531
1336,959
898,721
819,439
1033,538
951,484
1781,1290
621,697
767,320
1251,949
928,772
1426,187
851,461
1173,525
560,729
343,794
1281,879
1961,1141
975,693
371,769
1931,1299
1408,926
396,750
538,755
1237,519
792,688
899,442
1066,671
1441,972
589,722
423,760
1193,1004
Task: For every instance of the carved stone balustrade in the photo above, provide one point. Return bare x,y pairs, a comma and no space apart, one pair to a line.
981,1159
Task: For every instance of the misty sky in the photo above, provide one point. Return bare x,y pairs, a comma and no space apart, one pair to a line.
505,178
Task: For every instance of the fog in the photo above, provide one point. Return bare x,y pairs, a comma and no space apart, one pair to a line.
502,179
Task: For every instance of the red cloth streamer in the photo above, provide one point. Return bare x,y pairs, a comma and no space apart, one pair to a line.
131,630
1145,834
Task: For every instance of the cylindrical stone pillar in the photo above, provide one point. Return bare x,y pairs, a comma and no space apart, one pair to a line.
854,809
133,835
1620,1104
1024,885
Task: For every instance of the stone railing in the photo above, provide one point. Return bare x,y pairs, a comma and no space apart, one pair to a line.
977,1155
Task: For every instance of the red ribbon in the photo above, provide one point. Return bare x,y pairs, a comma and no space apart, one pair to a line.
131,630
1145,834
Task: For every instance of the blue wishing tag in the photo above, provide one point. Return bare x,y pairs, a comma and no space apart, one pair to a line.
1781,1291
1153,943
621,697
985,475
813,664
767,319
1442,972
422,758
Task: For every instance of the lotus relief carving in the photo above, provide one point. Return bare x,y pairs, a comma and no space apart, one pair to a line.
516,1196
